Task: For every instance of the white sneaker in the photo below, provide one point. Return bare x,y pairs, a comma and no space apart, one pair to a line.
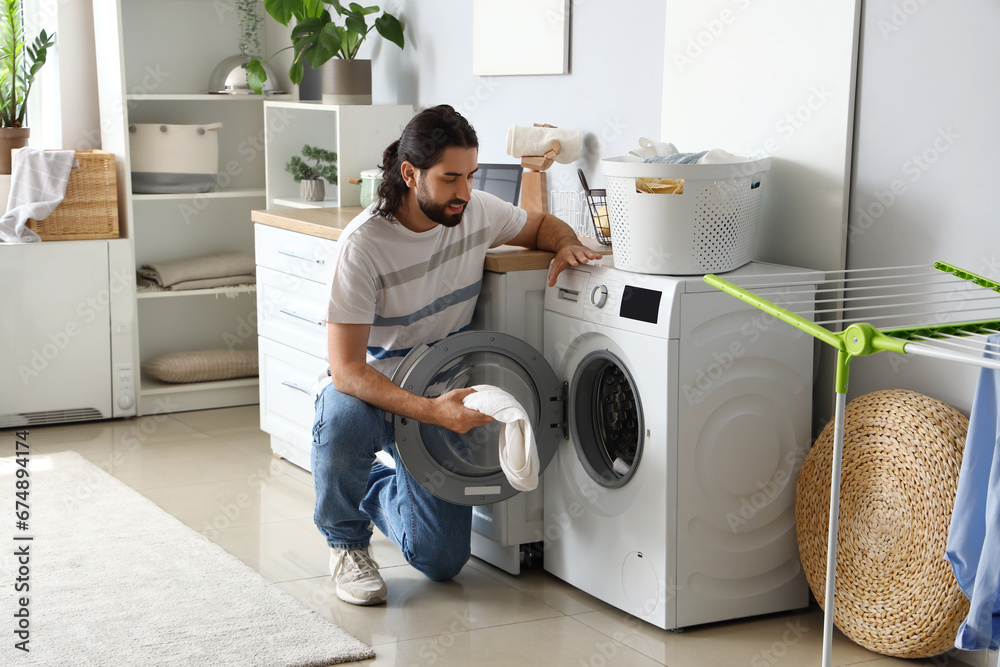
357,577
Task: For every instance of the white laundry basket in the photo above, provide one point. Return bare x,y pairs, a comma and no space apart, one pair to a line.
710,228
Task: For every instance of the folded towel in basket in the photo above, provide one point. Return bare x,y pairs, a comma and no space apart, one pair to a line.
37,186
204,267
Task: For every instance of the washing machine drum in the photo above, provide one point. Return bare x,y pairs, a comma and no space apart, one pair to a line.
465,469
606,413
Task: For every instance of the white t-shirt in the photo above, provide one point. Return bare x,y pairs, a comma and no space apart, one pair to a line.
415,288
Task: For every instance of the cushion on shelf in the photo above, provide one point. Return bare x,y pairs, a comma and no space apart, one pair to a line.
202,365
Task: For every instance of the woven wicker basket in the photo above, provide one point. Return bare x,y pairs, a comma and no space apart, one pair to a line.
895,592
90,208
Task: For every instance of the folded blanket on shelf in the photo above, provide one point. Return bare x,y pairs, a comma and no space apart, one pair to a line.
193,272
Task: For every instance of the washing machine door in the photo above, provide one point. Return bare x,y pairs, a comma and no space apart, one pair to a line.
465,469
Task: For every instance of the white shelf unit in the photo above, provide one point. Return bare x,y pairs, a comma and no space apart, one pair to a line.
358,133
155,58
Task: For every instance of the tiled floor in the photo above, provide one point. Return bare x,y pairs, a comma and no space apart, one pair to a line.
214,471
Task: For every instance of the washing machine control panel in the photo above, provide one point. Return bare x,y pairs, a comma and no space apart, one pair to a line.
603,295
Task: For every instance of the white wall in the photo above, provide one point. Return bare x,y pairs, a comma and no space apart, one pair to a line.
927,122
771,79
63,110
613,91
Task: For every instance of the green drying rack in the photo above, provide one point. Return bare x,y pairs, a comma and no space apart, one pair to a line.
927,293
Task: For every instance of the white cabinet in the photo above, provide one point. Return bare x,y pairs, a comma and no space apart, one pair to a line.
358,133
291,312
66,332
155,58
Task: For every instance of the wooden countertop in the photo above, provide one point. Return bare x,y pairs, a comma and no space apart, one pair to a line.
328,223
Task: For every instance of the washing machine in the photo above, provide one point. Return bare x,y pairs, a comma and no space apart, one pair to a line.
671,495
464,469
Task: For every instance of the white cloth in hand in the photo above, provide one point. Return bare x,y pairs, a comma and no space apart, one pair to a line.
37,186
518,451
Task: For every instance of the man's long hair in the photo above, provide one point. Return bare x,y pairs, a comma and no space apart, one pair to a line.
423,141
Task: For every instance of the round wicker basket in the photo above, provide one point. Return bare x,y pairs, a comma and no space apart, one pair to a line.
896,593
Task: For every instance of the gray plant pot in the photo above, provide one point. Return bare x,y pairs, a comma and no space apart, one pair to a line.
312,189
347,81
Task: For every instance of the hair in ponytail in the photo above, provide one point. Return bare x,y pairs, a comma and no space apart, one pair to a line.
421,144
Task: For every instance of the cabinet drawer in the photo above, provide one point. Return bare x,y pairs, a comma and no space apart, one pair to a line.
287,377
301,255
292,310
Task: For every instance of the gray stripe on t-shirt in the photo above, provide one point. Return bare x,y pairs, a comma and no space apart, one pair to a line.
418,271
458,296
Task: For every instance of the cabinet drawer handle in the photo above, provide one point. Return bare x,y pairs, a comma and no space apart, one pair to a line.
302,257
303,317
297,387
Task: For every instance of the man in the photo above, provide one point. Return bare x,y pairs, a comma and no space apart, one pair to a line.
407,272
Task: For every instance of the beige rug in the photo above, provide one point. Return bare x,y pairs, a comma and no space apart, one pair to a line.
116,581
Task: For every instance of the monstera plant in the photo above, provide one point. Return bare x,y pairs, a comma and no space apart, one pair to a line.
325,31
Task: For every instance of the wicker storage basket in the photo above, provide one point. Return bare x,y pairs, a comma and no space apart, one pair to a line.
90,208
896,593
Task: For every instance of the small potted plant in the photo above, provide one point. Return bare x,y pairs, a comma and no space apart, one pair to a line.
330,43
19,64
322,164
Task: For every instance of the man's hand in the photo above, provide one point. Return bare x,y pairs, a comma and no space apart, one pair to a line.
570,254
450,413
547,232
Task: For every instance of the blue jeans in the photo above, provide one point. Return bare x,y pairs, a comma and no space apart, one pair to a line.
353,488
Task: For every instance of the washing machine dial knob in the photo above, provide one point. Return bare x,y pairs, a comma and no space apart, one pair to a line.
599,296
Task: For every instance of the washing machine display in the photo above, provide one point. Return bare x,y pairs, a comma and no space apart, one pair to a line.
609,420
465,468
681,411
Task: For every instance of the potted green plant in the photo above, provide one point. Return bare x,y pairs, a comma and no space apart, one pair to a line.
330,42
309,175
19,64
